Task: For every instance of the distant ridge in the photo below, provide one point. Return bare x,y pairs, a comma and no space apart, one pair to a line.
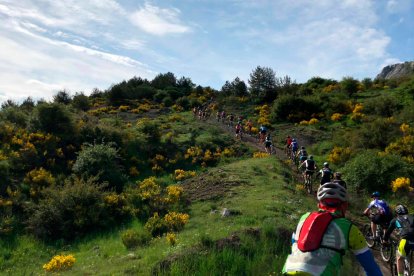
397,70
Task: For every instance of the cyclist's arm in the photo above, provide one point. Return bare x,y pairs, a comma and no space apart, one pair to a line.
391,228
362,253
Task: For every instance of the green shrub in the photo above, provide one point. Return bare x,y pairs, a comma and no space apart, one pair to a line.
183,102
81,102
384,106
376,134
156,225
15,115
372,172
4,176
102,161
167,101
53,118
294,109
71,211
133,238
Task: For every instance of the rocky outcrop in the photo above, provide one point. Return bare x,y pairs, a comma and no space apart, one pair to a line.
397,70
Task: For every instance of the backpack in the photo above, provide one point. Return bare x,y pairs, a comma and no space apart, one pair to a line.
310,164
313,230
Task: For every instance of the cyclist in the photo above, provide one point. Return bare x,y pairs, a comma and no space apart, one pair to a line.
325,173
338,179
223,116
231,119
322,237
302,154
405,223
294,147
238,130
262,133
288,142
383,215
268,144
309,166
218,115
249,125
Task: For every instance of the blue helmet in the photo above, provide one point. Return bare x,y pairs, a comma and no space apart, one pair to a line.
375,194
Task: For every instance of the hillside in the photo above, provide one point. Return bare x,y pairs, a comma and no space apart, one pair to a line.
135,180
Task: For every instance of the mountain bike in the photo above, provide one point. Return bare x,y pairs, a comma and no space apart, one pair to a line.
385,250
408,265
308,181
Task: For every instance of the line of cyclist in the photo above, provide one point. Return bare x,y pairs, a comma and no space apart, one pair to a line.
307,165
319,256
332,187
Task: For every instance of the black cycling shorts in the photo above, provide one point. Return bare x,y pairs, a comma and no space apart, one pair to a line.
309,172
381,219
268,144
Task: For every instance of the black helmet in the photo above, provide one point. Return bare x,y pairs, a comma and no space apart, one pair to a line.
338,175
401,210
302,147
311,157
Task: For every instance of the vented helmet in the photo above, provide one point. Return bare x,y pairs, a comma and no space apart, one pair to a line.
401,210
332,190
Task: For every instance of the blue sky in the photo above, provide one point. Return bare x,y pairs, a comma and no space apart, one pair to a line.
77,45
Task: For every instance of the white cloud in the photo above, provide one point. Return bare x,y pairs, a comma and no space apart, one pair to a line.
158,21
40,66
400,6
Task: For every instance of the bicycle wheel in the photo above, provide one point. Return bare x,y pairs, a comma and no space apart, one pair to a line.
368,235
386,252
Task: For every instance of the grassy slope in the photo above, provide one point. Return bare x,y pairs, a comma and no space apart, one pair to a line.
263,197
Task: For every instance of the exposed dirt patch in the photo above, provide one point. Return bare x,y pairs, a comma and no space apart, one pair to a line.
206,187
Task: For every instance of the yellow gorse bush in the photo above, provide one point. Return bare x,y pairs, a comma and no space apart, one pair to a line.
123,108
59,263
336,117
260,154
403,146
404,128
401,184
171,239
148,188
339,155
176,221
313,121
264,113
228,152
357,114
174,193
38,179
181,174
133,171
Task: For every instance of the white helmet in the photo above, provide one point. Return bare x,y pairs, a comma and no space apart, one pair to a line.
332,190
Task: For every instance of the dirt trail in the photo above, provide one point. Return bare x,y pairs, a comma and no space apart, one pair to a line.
280,154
